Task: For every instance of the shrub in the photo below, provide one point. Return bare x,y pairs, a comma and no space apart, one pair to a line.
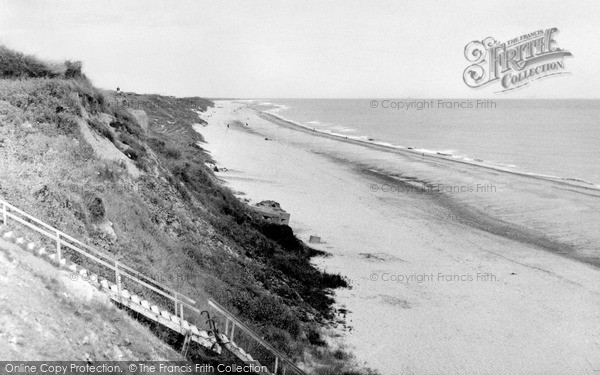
94,206
73,69
124,121
314,337
172,153
18,65
92,99
101,129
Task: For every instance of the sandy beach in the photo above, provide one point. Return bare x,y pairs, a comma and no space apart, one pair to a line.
455,268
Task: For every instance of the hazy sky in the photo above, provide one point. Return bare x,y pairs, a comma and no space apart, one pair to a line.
246,48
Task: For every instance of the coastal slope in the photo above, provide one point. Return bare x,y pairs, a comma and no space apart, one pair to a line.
126,174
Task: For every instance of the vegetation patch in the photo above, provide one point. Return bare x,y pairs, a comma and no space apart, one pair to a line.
175,222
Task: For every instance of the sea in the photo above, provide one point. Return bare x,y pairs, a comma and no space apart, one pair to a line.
555,138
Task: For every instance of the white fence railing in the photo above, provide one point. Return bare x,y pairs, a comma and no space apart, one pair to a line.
123,274
279,363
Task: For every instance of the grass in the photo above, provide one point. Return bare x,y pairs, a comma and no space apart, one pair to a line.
102,129
175,222
18,65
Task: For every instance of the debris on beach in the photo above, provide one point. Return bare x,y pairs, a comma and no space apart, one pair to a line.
217,169
314,239
272,212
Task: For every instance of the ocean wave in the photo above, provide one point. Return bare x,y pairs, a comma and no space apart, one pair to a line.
343,129
446,154
277,107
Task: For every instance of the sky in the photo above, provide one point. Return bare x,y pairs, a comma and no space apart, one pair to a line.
300,49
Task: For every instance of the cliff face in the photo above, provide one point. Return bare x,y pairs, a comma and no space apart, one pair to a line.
126,173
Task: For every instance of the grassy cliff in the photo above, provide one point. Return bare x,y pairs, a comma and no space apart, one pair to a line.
126,173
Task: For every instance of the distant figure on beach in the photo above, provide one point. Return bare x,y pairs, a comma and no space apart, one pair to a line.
119,91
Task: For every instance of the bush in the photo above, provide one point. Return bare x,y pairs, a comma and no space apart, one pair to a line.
125,122
101,129
95,207
172,153
161,147
73,69
92,99
18,65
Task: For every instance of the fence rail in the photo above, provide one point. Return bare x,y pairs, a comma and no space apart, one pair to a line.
281,364
121,271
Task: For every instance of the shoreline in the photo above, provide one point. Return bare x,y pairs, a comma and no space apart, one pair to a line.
432,326
467,215
569,181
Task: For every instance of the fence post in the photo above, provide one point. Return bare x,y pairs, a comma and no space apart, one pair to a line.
232,330
4,212
118,279
58,249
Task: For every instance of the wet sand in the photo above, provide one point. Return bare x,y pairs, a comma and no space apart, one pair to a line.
490,282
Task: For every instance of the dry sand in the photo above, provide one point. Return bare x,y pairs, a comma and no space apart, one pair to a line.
515,306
